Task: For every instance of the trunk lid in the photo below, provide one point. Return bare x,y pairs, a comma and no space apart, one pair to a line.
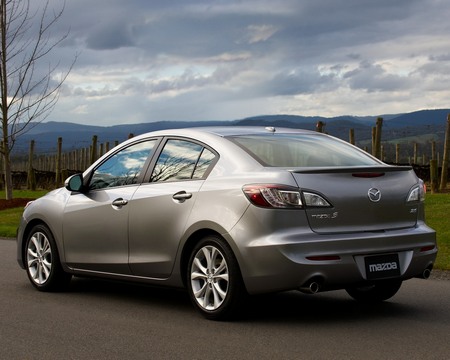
362,198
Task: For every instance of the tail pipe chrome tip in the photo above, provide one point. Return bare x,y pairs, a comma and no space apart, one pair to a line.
310,287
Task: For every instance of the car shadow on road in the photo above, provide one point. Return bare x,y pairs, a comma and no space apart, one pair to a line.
132,293
329,307
292,306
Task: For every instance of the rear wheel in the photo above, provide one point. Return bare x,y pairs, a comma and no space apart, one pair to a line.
214,281
377,292
43,265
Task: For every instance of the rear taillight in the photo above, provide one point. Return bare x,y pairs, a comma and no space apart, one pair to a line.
417,193
315,200
282,197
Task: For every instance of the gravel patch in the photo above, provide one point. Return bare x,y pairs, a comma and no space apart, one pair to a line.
440,275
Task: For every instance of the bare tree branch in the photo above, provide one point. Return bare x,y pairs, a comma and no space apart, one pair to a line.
27,95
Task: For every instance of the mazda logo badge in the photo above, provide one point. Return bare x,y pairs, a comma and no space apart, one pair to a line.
374,195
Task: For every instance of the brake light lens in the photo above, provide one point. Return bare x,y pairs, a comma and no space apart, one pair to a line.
273,196
282,197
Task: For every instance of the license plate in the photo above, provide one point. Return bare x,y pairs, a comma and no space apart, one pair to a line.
382,266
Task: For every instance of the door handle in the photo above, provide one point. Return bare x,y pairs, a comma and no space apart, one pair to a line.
119,202
181,196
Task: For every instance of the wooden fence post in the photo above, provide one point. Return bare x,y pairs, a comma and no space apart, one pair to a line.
374,145
415,153
319,126
83,163
94,149
434,174
88,156
377,144
351,136
445,160
31,177
2,185
58,163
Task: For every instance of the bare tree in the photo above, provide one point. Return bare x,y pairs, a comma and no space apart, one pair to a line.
27,95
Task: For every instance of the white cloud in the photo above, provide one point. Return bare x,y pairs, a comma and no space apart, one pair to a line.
259,33
192,60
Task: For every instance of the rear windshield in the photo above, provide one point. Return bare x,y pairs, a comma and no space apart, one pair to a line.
302,150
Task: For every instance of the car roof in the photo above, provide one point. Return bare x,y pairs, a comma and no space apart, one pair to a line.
248,130
224,131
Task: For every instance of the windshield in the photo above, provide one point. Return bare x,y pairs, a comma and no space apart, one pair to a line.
303,150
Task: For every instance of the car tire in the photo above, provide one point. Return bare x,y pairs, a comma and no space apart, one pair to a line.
42,261
214,280
377,292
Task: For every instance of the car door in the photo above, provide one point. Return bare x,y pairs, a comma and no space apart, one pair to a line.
95,224
160,208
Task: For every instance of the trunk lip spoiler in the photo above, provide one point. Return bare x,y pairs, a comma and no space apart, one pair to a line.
351,170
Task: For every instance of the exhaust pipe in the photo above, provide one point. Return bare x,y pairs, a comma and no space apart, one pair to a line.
425,274
310,287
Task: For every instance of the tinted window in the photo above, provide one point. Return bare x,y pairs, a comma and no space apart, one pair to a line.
205,161
182,160
124,167
302,150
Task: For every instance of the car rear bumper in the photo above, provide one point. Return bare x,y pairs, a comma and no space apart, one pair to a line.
288,260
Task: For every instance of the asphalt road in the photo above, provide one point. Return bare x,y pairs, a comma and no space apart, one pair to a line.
107,320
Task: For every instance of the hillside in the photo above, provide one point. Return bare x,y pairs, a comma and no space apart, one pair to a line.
419,126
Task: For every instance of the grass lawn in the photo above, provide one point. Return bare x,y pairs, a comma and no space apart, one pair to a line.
9,219
25,194
437,208
437,211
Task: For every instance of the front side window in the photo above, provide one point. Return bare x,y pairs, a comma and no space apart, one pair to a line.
124,167
182,160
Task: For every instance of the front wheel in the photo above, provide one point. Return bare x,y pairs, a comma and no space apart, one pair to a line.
214,280
377,292
42,261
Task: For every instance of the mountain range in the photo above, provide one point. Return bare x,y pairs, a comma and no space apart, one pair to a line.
419,126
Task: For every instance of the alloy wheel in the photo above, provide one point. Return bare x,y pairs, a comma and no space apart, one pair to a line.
209,278
39,258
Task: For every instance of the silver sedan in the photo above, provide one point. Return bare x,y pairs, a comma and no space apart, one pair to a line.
231,212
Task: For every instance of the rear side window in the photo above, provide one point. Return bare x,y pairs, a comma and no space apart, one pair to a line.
302,150
182,160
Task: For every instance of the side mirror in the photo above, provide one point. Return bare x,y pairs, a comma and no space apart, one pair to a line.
74,183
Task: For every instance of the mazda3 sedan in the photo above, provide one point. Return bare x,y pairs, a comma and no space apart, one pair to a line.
227,212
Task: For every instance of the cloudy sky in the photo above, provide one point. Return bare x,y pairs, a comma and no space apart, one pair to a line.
151,60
